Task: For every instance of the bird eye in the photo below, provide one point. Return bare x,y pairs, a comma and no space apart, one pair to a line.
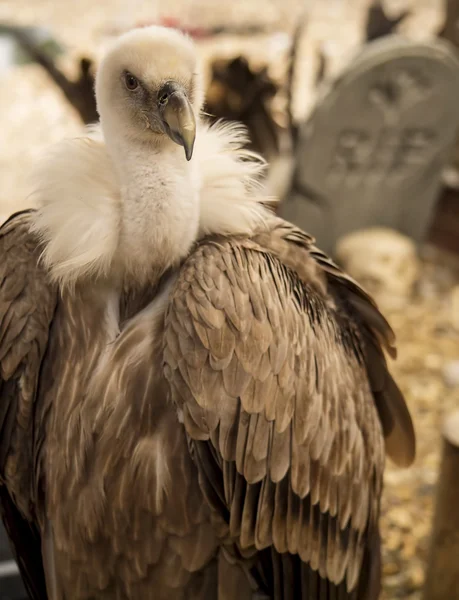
163,98
131,82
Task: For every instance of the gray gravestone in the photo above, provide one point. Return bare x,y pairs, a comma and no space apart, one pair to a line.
373,150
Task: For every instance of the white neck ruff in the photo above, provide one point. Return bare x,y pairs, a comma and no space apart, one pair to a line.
98,215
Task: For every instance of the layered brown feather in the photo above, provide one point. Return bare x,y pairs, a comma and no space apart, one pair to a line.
266,467
288,402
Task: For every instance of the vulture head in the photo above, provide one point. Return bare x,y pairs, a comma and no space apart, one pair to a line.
148,89
121,202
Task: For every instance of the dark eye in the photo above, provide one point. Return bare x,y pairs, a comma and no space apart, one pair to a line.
163,98
131,82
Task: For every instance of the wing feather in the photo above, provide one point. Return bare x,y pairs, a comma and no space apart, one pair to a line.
281,372
27,304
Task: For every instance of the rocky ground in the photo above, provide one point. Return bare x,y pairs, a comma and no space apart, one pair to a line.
427,370
33,114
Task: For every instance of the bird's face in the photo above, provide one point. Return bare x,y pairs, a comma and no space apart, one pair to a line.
148,87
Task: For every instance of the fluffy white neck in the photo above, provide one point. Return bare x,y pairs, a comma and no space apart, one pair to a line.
105,209
159,211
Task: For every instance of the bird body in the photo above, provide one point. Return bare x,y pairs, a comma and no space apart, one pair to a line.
122,547
194,400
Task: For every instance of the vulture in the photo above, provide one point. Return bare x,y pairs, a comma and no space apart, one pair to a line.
195,401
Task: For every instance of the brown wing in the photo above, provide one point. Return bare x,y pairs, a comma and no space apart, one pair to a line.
352,302
27,303
266,354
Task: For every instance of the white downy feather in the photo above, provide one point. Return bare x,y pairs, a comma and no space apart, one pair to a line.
107,203
79,196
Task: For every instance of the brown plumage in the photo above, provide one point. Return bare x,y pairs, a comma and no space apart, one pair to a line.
233,419
194,400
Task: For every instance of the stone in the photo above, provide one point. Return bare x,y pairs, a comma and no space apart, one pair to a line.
416,576
401,518
373,149
451,373
455,307
383,261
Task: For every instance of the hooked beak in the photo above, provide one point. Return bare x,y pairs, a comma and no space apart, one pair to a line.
177,116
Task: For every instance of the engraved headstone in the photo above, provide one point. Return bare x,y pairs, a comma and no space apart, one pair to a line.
372,152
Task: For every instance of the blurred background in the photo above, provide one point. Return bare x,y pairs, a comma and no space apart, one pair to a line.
355,105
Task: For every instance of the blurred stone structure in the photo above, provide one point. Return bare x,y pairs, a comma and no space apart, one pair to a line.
373,149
